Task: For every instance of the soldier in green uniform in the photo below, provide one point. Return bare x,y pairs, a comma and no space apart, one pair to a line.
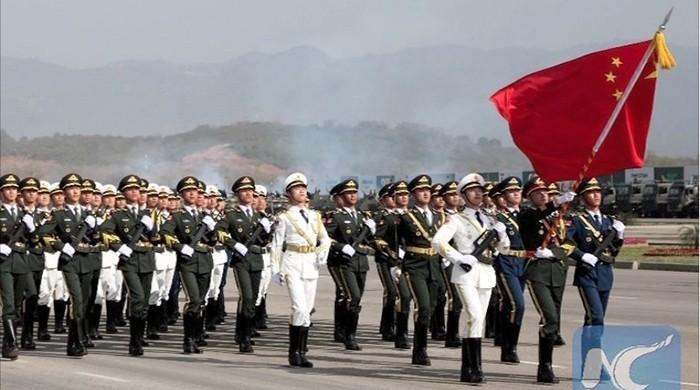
247,233
334,259
34,258
13,268
546,271
136,231
421,265
87,195
183,234
60,302
351,231
384,260
437,321
454,305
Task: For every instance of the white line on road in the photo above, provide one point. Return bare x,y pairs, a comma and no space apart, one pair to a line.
535,363
680,383
109,378
624,297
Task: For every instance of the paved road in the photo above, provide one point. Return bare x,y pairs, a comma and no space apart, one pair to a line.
640,297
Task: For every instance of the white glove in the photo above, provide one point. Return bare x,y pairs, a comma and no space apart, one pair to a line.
5,250
240,248
371,225
566,197
469,259
589,259
91,221
28,221
124,250
187,250
321,261
348,250
278,278
402,253
620,228
500,228
68,250
100,221
544,253
147,221
395,273
209,221
445,263
266,224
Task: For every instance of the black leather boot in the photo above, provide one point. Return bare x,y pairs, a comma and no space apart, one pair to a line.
466,369
451,334
9,341
303,346
111,323
420,345
401,341
475,353
30,305
244,344
153,322
294,341
59,310
545,374
42,313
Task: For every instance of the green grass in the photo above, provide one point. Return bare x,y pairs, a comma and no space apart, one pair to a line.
636,253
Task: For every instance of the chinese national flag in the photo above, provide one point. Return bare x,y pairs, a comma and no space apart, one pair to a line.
556,114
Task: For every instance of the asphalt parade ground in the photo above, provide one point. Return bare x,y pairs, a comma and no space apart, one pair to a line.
639,297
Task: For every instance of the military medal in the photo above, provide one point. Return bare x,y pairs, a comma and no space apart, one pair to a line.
67,230
239,230
348,231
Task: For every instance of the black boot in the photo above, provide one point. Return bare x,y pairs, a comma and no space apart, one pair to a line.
95,322
559,341
136,333
466,369
420,345
30,305
75,343
153,322
509,351
244,343
162,315
388,322
451,335
211,313
120,309
220,308
9,341
303,346
350,330
173,309
59,310
85,332
294,341
189,345
475,353
437,322
111,325
339,322
261,315
401,341
544,368
42,313
199,334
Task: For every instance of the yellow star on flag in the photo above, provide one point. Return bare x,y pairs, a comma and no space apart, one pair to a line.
610,77
617,94
616,61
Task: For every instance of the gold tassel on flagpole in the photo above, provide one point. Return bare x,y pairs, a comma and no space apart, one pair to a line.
663,54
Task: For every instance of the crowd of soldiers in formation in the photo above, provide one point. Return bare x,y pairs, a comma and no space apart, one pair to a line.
77,244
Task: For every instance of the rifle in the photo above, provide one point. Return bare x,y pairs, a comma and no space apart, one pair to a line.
603,246
486,240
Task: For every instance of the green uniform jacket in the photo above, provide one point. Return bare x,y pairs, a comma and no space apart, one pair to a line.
35,258
533,230
15,262
241,229
180,229
343,230
124,225
88,252
414,231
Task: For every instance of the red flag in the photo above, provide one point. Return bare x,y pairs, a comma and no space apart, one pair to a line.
556,114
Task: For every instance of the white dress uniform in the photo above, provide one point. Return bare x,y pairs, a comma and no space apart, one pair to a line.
266,274
474,287
298,265
165,270
52,286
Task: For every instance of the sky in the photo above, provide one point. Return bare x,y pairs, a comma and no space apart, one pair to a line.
90,33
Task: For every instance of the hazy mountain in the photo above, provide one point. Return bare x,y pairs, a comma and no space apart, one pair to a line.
445,87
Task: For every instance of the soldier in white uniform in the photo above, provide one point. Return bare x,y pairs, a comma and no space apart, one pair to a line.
473,277
307,245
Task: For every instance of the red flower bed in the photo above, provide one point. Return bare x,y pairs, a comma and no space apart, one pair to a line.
672,251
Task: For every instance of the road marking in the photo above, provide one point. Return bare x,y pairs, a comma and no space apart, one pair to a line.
680,383
109,378
623,297
536,363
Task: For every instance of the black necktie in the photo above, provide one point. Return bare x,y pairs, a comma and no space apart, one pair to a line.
597,220
76,212
478,218
247,212
303,214
13,213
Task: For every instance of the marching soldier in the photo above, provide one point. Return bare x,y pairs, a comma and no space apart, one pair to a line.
185,232
13,268
168,257
510,267
266,274
598,238
111,278
546,272
421,265
247,234
297,265
350,230
136,230
34,258
220,257
87,197
48,277
473,275
57,289
451,198
384,261
437,321
333,264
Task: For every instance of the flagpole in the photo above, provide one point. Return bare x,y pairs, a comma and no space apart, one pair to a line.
608,125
